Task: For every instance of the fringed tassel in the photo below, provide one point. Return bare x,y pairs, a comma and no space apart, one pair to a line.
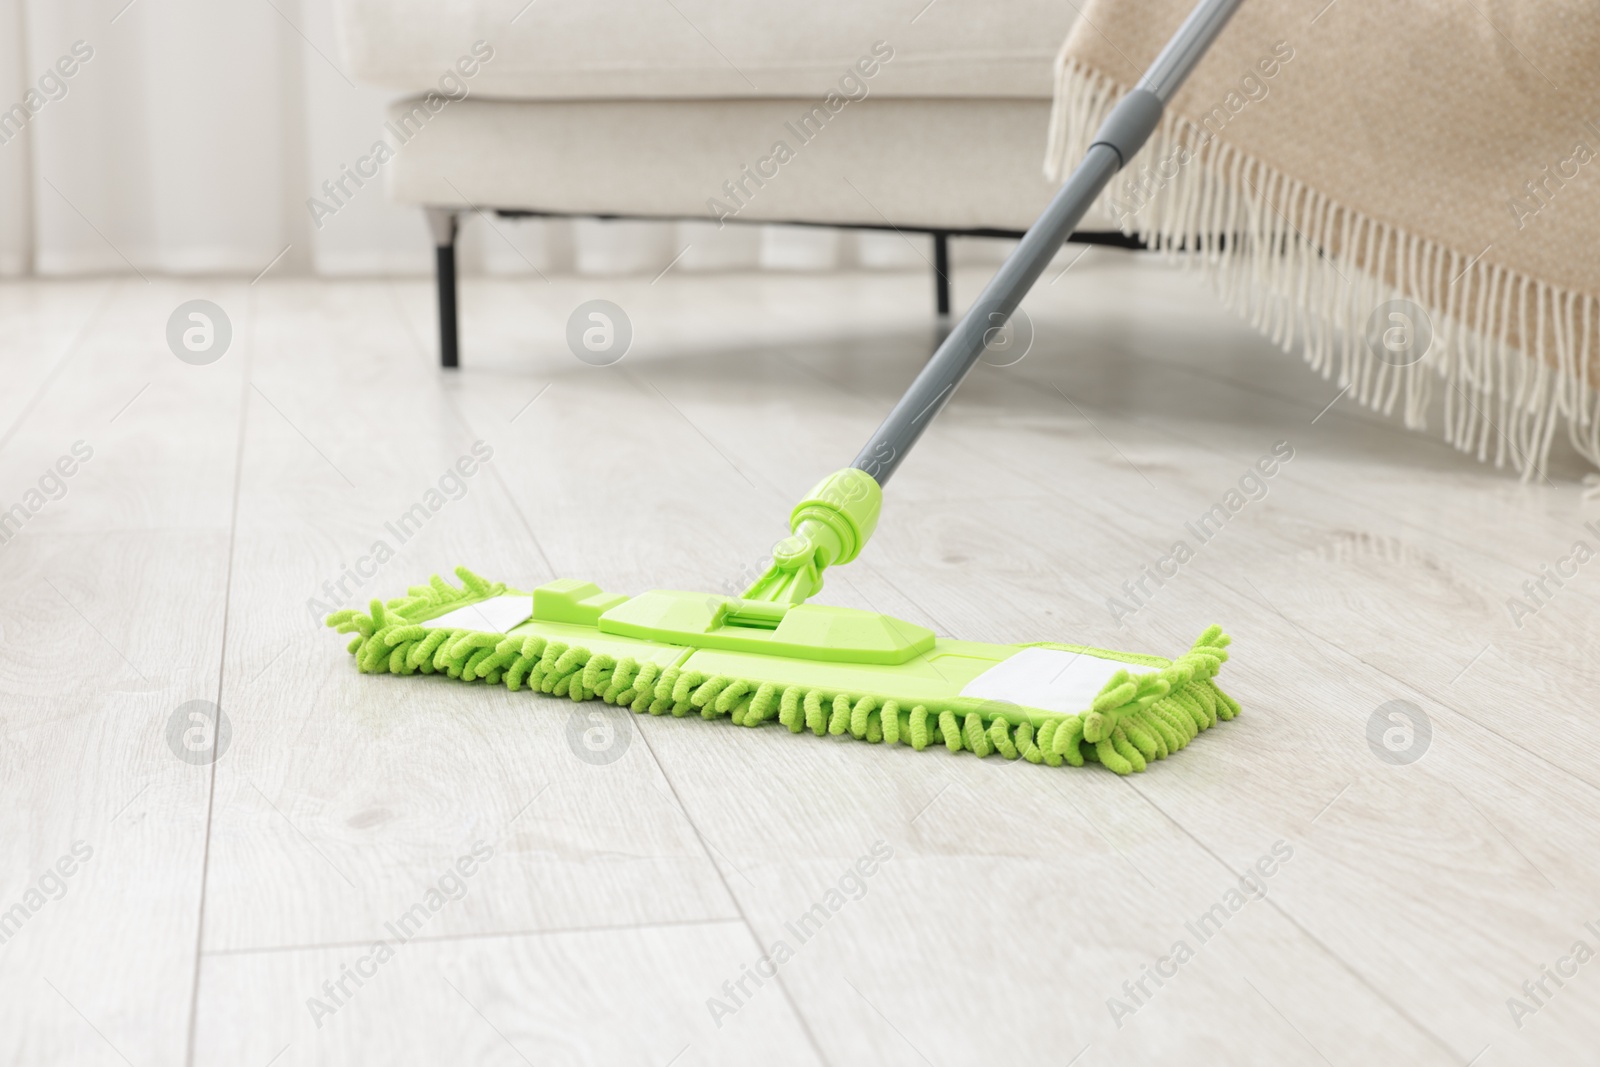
1513,356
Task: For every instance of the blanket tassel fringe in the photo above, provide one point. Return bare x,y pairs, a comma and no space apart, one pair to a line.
1511,354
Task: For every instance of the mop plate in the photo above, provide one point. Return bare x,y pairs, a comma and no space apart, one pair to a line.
830,670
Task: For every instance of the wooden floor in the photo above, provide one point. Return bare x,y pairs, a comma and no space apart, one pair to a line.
226,912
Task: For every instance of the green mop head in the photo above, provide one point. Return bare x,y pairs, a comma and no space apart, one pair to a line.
829,670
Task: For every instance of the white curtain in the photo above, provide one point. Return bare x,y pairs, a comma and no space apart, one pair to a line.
190,136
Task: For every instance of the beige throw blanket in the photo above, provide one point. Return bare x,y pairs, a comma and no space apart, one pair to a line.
1435,151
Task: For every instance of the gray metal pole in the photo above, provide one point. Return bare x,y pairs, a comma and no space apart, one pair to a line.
1124,133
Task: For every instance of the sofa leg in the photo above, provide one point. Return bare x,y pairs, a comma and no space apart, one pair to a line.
941,273
444,223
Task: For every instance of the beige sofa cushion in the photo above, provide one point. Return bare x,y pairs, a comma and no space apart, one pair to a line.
956,164
617,49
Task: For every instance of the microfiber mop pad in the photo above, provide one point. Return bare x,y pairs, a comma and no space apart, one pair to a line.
832,671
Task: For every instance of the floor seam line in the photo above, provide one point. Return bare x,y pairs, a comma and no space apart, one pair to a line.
222,667
554,931
1349,968
744,918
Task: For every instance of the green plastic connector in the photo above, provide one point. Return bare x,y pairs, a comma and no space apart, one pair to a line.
571,601
799,631
831,525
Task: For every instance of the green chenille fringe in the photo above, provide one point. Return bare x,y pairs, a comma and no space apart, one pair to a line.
1136,719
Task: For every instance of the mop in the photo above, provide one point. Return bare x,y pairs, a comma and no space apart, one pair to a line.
770,656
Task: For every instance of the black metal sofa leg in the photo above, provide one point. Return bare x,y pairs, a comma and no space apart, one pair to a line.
941,273
444,223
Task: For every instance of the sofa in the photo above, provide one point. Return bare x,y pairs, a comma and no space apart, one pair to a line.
830,113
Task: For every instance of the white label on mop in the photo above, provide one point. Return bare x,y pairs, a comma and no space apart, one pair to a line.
1046,678
497,615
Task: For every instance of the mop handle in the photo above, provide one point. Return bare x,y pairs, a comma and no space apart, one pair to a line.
1123,134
